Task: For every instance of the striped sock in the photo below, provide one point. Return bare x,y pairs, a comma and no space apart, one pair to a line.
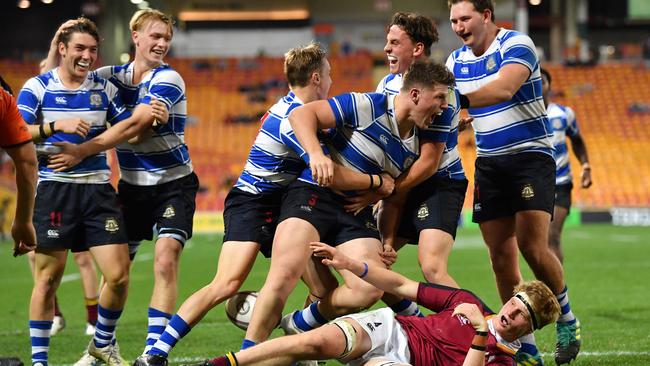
309,317
39,334
406,308
91,310
175,330
158,320
566,315
247,343
105,328
528,344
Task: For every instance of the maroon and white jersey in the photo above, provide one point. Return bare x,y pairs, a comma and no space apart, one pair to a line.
442,339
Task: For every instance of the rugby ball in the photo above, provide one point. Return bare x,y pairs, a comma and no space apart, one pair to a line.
239,308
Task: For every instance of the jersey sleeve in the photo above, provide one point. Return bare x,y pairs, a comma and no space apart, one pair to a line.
572,124
167,86
289,138
14,130
438,298
357,110
519,49
29,103
116,110
105,72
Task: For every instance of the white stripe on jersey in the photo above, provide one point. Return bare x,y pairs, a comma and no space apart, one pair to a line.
564,124
515,126
450,160
164,157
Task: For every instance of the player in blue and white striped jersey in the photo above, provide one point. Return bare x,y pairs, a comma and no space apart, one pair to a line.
369,133
430,195
76,209
497,74
564,124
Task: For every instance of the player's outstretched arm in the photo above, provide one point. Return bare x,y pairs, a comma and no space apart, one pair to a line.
305,122
383,279
71,125
580,151
508,80
22,230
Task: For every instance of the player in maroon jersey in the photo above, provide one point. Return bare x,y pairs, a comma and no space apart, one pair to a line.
463,330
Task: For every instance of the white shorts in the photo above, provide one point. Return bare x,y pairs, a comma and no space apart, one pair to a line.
388,339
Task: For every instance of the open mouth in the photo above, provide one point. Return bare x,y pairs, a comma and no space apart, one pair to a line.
159,53
392,60
465,36
83,64
504,321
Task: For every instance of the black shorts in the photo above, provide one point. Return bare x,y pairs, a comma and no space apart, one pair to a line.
504,185
169,206
252,217
563,195
77,216
325,210
434,204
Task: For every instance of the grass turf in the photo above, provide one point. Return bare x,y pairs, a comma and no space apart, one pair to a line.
606,268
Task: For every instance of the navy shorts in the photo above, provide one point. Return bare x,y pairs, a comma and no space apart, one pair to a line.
77,216
434,204
252,217
324,209
169,206
563,195
505,185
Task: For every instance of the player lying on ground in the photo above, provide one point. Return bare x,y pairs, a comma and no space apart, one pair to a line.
464,331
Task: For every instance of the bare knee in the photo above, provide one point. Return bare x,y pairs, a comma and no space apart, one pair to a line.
368,295
222,289
118,281
434,271
166,266
311,344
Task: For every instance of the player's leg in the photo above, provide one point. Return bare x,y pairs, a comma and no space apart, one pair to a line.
88,274
319,280
290,255
499,236
235,262
560,213
434,248
49,265
398,304
58,323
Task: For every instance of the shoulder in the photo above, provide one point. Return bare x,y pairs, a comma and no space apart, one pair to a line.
509,38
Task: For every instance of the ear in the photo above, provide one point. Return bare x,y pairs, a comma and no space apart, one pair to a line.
62,48
487,16
134,37
419,49
414,94
315,78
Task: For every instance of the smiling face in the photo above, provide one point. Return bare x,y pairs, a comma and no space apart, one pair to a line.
470,25
78,55
152,42
427,103
513,320
399,49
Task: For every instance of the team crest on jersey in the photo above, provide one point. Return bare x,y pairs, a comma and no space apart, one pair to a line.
371,225
95,99
527,192
556,123
408,162
423,211
169,212
491,63
111,225
384,139
464,70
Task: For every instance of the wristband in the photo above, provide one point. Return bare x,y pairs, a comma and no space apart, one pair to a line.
482,333
372,181
52,130
478,348
464,101
365,270
586,166
41,131
381,181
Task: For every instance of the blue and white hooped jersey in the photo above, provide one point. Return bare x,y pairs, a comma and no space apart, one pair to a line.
44,99
515,126
564,124
164,157
272,164
443,129
366,138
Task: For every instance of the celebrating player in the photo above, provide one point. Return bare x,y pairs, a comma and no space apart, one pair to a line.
463,330
76,209
497,73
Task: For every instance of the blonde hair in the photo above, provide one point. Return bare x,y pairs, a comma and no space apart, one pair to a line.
145,16
543,302
301,62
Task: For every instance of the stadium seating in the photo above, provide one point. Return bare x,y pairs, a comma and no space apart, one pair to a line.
226,97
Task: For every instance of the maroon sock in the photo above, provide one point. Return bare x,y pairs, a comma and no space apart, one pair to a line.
221,361
91,311
57,311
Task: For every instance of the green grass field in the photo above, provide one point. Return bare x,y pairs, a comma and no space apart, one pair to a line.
607,269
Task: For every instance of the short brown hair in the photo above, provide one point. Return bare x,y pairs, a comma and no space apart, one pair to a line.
301,62
418,27
144,16
82,25
427,73
544,303
479,5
